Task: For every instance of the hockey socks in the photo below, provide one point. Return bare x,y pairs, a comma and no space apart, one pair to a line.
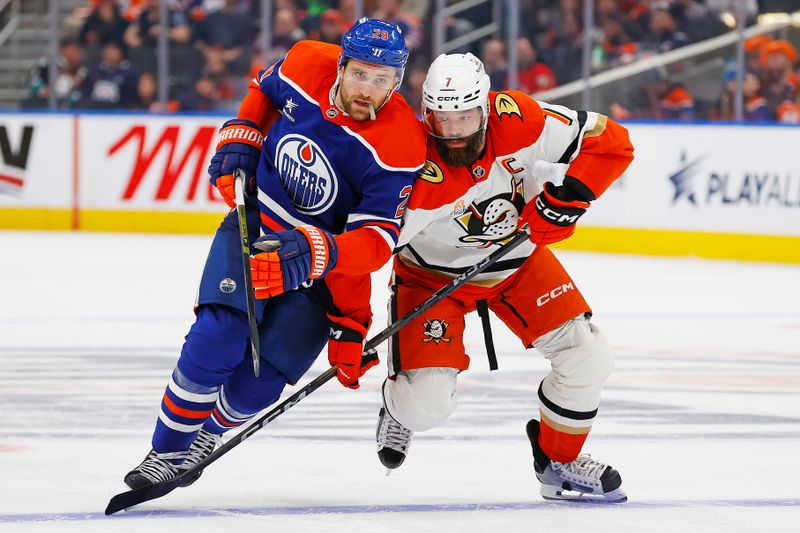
185,407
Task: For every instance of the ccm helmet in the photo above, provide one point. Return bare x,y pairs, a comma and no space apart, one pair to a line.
377,42
455,82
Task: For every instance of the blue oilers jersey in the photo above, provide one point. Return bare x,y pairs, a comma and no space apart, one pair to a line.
319,166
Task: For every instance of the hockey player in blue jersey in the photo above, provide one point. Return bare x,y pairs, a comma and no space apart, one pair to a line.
318,136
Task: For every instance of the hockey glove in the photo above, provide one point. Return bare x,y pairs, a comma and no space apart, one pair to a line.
239,145
304,253
552,215
345,347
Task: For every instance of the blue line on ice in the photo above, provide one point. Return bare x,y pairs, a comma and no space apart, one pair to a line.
376,509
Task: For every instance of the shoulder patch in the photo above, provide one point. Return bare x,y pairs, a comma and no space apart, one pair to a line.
506,105
431,172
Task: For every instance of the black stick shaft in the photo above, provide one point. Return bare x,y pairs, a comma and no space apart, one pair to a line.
255,342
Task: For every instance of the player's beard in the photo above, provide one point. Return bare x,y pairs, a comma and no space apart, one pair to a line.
356,112
465,155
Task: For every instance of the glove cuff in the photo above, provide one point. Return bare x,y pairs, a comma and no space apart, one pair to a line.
321,248
240,131
345,329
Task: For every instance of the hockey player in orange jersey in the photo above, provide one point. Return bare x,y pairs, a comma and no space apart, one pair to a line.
478,188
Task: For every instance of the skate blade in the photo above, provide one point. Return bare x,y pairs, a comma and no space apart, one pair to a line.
557,494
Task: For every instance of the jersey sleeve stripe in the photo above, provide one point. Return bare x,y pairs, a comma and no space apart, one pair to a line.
358,217
566,157
296,87
271,223
279,211
383,165
391,240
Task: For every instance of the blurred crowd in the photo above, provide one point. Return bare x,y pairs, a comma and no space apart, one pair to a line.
108,55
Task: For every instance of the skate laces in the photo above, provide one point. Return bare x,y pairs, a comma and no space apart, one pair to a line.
204,444
584,470
159,467
392,434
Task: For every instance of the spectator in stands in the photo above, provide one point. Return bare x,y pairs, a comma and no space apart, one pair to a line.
390,11
676,103
533,76
752,51
112,83
348,10
779,82
285,31
755,107
664,34
789,112
332,26
203,96
698,19
617,46
412,85
227,34
147,93
70,74
493,55
561,43
105,24
145,29
417,8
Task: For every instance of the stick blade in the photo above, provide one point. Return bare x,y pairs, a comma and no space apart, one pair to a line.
133,497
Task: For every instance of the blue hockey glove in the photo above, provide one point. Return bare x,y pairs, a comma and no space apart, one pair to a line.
239,145
304,253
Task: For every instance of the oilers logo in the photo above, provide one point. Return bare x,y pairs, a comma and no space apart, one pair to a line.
492,221
306,174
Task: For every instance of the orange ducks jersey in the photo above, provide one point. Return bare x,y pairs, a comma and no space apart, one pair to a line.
457,216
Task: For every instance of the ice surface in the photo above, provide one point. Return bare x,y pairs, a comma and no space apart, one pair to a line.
701,417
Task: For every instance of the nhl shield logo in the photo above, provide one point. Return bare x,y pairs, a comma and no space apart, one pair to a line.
479,172
435,331
227,285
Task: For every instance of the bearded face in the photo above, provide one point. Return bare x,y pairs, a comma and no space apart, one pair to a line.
461,152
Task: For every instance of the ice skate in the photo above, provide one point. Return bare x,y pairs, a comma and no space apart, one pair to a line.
158,467
204,444
584,479
155,468
393,441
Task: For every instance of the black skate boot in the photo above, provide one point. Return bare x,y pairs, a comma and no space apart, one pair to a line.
393,440
158,467
582,479
204,444
155,468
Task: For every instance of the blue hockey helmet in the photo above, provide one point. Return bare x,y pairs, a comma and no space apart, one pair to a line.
375,41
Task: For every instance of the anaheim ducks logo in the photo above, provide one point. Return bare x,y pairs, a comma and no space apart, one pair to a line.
493,221
431,172
505,105
435,331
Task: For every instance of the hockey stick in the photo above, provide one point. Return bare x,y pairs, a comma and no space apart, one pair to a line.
255,342
143,494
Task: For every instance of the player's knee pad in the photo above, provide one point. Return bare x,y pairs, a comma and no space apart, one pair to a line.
581,362
422,398
215,345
